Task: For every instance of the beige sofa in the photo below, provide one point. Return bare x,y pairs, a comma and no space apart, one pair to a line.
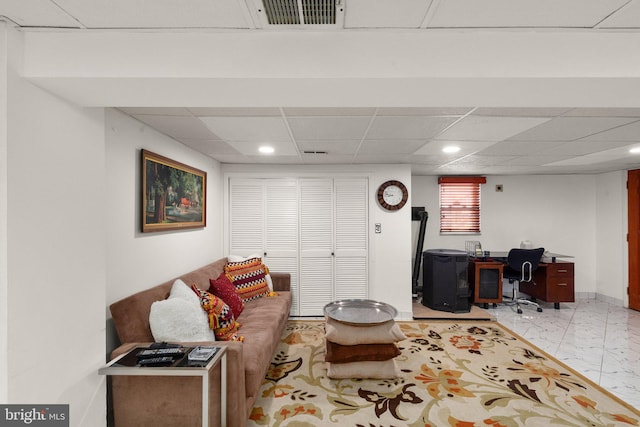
176,401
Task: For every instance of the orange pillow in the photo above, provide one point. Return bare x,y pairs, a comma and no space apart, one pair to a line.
248,278
221,320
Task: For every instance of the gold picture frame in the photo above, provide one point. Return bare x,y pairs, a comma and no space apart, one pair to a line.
173,194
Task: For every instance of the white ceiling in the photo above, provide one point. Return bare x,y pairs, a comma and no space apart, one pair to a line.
491,140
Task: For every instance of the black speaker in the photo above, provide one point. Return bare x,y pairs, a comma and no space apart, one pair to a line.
445,282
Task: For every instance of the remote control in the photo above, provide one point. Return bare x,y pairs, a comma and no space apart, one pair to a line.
164,360
157,352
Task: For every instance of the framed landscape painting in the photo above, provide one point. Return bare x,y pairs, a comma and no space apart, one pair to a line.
173,194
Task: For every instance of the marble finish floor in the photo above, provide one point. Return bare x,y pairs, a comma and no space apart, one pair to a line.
597,339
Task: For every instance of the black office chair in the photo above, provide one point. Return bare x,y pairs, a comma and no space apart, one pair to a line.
521,263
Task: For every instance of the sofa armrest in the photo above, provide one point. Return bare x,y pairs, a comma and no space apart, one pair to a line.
281,281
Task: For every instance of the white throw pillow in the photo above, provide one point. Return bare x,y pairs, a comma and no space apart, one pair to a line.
180,318
239,258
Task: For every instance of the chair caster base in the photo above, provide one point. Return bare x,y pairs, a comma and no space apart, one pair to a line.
519,311
539,309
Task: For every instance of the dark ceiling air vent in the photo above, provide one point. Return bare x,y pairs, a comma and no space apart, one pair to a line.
296,12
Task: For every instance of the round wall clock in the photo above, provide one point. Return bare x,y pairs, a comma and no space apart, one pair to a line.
392,195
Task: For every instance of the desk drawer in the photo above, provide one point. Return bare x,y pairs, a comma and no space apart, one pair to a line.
560,285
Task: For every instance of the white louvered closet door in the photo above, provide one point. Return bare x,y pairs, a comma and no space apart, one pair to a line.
246,216
281,231
316,245
351,238
263,219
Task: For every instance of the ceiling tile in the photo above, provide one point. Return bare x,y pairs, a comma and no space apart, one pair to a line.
486,128
331,147
328,111
328,128
599,157
423,111
519,112
178,126
520,148
628,133
37,13
158,111
521,13
327,158
250,148
434,148
603,112
381,159
235,111
158,13
627,16
209,147
582,147
535,160
385,146
385,13
569,128
259,129
407,127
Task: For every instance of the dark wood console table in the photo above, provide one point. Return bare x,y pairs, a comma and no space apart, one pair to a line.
553,282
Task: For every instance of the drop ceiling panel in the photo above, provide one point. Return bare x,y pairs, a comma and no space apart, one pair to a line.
210,147
434,148
507,148
385,13
603,112
487,128
348,147
315,159
328,111
423,111
522,13
250,148
407,127
582,147
570,128
328,128
629,132
520,112
178,126
37,13
162,111
257,129
158,13
385,146
627,17
235,111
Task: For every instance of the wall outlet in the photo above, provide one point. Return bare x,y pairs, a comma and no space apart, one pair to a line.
498,188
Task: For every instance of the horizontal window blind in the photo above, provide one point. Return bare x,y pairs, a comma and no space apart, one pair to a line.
460,204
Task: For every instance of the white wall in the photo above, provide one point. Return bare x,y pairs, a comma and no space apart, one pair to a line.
390,251
136,260
612,256
4,304
56,254
557,212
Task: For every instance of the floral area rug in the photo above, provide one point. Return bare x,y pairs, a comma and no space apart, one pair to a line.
453,374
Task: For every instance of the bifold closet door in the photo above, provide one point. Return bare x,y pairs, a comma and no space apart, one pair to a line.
316,245
333,242
263,220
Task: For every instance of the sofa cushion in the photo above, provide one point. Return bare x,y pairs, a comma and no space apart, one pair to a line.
221,319
223,288
179,318
248,277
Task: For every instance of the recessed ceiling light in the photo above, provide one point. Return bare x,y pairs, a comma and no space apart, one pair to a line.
451,149
635,150
265,149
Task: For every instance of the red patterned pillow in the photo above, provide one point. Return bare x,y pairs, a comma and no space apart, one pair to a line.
221,320
248,277
223,288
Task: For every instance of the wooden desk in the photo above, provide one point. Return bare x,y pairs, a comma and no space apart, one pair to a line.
553,283
486,279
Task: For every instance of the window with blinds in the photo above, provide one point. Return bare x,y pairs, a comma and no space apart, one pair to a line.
460,204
